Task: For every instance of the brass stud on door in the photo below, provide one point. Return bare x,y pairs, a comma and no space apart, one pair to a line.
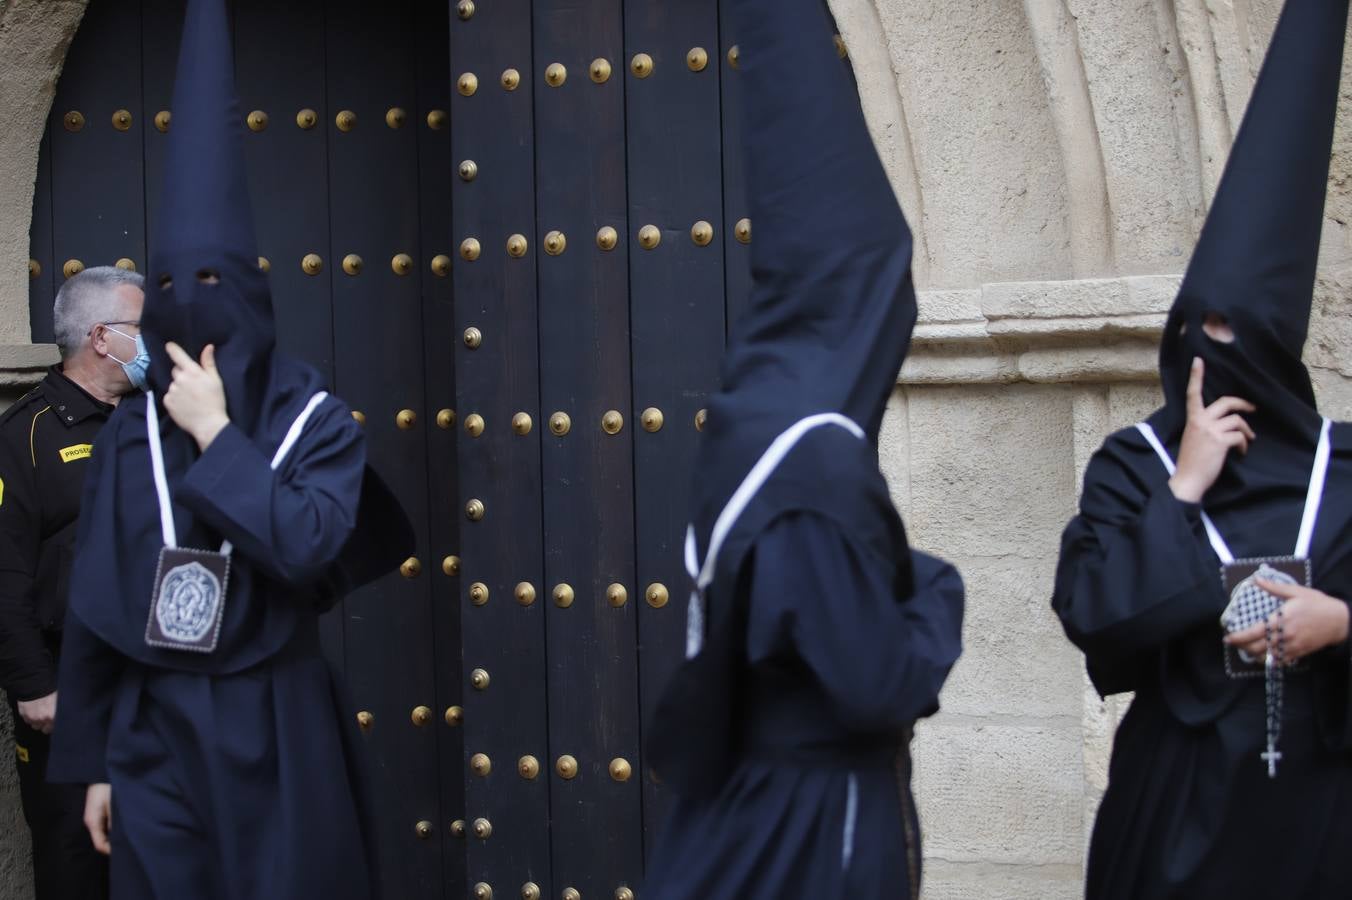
469,170
600,70
482,891
312,264
365,721
34,268
465,10
697,59
560,424
566,767
455,716
467,84
607,238
450,566
641,65
528,767
72,268
735,56
517,246
401,264
423,830
474,425
73,120
122,120
555,243
483,829
564,596
346,120
352,264
307,119
522,423
525,593
620,770
479,679
556,74
511,80
649,236
617,596
571,894
406,419
446,419
652,420
265,264
162,120
126,264
257,120
478,593
480,765
470,249
474,338
657,595
420,716
395,117
743,230
702,233
458,828
474,510
624,893
411,567
612,422
530,891
359,417
441,265
701,418
436,119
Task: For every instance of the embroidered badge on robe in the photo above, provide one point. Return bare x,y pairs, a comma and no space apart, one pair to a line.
189,600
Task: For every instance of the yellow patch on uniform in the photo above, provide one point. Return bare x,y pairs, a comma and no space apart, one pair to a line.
77,451
22,752
2,492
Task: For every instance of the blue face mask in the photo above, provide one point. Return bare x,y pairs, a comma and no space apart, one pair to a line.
139,364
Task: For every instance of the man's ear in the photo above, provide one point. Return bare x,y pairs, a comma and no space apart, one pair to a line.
98,339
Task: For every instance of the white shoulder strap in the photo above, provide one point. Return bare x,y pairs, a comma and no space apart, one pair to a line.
1313,499
167,528
760,473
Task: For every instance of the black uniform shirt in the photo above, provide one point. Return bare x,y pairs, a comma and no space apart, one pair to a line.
45,441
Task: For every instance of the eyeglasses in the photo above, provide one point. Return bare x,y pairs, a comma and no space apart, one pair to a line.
136,322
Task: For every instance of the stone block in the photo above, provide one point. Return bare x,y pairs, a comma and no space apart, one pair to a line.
948,881
1001,793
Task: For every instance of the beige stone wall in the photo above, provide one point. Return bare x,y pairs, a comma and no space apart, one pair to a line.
1055,158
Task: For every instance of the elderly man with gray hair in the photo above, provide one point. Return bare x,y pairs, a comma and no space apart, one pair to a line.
45,442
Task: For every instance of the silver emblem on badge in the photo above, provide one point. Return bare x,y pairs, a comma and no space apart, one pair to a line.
189,598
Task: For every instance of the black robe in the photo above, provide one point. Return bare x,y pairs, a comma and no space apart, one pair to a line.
1190,811
234,775
837,668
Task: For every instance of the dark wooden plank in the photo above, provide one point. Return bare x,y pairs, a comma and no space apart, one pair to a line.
161,30
279,71
588,473
98,206
496,294
675,182
377,321
435,172
738,259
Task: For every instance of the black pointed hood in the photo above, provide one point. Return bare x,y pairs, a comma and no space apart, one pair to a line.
1255,262
205,226
832,306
